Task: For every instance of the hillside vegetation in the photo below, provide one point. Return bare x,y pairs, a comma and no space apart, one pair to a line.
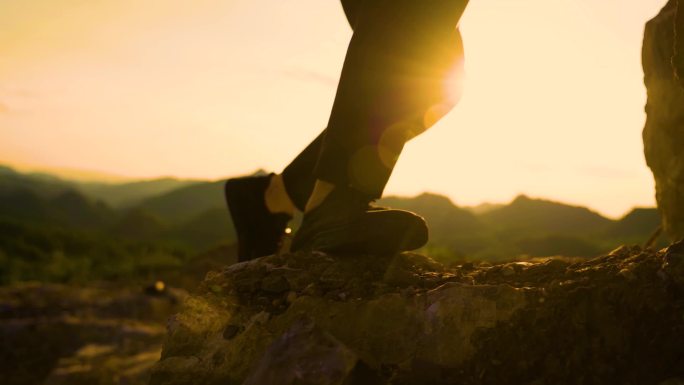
58,230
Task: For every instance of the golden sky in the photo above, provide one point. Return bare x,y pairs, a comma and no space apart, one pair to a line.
553,105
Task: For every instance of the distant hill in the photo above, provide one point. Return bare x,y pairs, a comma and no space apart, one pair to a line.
5,170
24,204
526,226
484,208
70,174
125,194
453,230
74,209
207,229
636,227
186,213
66,208
636,223
537,216
139,224
187,202
193,215
132,193
438,209
38,184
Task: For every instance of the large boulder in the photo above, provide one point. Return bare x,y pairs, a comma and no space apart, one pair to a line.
317,319
664,131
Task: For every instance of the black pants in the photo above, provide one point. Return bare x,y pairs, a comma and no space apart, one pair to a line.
398,79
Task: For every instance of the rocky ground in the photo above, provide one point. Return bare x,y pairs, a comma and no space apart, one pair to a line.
406,319
316,319
56,334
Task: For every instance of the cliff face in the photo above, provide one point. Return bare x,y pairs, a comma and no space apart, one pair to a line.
317,319
678,59
664,131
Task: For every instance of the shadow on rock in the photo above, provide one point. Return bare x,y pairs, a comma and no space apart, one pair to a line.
312,318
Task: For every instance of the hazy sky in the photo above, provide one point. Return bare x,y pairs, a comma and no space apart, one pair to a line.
553,105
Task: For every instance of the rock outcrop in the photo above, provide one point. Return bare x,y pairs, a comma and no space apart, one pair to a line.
678,58
664,132
317,319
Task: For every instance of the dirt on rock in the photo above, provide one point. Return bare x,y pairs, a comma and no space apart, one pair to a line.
407,319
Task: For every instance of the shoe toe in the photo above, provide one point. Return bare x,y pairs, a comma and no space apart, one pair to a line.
376,232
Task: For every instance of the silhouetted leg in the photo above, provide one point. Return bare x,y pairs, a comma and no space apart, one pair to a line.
393,86
298,176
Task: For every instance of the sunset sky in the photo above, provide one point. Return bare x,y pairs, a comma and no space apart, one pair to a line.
553,104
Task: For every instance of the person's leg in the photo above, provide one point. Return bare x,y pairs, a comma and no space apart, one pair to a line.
276,198
261,206
392,87
258,229
298,177
297,181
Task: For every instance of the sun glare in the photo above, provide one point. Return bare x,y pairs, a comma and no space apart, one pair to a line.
554,95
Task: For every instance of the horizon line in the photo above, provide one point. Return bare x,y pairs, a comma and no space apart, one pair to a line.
72,174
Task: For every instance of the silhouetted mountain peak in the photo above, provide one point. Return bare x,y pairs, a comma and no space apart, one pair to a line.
434,199
427,204
539,216
522,198
526,202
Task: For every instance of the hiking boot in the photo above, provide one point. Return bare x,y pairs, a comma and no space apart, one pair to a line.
259,231
346,223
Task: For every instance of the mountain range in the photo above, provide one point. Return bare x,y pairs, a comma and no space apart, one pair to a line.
191,214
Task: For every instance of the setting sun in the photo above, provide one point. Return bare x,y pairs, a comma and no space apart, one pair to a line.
552,106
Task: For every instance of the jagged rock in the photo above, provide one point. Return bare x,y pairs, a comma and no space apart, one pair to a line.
678,59
304,354
407,320
664,131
